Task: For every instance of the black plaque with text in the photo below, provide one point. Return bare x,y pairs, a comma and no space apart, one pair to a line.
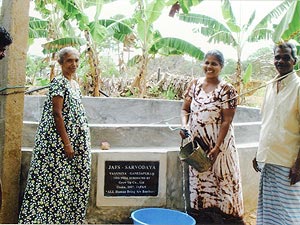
131,178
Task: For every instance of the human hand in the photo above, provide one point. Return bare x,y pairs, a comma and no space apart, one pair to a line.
184,133
69,151
255,165
294,174
213,153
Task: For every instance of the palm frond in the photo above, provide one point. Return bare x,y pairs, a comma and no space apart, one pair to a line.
38,28
250,22
274,14
176,46
186,5
154,10
56,45
207,21
260,34
223,37
97,31
116,28
229,16
134,60
288,28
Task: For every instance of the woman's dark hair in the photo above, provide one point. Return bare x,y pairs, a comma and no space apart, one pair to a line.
217,54
5,38
287,45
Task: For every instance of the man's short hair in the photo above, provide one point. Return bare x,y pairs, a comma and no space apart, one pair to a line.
287,45
5,38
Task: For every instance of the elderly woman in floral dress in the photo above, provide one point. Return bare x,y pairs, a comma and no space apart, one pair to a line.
58,182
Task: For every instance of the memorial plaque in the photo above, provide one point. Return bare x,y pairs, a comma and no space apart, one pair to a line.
131,178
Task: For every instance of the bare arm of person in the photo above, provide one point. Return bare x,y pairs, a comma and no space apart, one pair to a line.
255,165
227,117
295,171
57,104
185,114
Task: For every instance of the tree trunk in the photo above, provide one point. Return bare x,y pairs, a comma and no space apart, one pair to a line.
94,63
140,80
238,79
52,67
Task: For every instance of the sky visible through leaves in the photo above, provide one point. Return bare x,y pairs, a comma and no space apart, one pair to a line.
172,27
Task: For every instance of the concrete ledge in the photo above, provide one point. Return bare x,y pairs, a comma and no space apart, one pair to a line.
130,110
140,135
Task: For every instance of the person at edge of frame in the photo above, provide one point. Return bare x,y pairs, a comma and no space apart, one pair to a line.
5,41
278,154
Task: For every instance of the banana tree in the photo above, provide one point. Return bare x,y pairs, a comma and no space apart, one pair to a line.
90,33
185,5
74,12
229,32
150,42
53,27
99,30
288,28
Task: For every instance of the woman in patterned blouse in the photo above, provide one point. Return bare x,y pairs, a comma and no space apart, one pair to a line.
58,182
207,113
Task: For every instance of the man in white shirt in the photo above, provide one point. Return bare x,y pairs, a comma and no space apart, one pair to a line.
278,151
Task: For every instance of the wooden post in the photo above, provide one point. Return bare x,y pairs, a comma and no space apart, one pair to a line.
15,18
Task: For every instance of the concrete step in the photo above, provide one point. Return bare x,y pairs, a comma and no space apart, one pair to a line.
131,110
143,135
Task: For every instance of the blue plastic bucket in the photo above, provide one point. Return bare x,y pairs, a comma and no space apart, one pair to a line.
160,216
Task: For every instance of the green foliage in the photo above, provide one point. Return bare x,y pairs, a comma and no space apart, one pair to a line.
38,28
145,37
288,27
185,5
247,74
108,67
176,46
128,94
229,17
117,29
169,94
36,71
154,91
42,81
56,45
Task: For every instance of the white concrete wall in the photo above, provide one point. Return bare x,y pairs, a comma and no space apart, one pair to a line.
139,129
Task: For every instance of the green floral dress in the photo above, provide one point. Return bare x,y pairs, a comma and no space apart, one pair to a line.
57,188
